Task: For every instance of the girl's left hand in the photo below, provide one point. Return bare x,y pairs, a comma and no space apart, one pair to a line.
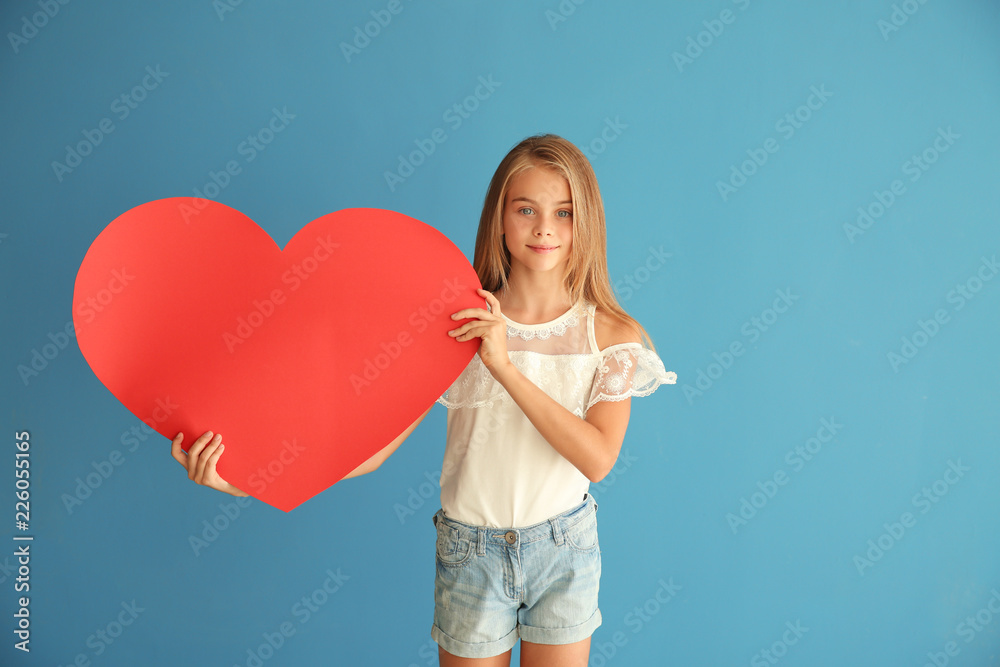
489,326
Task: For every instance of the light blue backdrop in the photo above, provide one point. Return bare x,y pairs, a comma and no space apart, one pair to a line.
819,488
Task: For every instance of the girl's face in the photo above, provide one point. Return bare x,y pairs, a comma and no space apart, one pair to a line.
538,220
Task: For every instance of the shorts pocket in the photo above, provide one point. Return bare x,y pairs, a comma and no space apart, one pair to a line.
453,548
582,535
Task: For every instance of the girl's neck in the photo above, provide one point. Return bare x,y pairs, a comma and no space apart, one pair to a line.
540,301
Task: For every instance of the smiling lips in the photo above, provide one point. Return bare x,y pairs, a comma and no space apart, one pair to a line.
542,249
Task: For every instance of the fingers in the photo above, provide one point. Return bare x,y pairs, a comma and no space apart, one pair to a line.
491,300
175,449
471,329
201,459
233,490
208,472
467,313
204,456
192,459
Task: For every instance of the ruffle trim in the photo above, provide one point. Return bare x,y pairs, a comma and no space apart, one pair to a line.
476,387
557,328
648,375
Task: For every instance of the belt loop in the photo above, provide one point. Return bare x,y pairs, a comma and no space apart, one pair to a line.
481,542
557,532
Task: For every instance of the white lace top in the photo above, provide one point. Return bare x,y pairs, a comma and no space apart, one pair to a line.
498,469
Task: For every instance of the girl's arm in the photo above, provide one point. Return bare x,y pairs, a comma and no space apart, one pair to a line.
591,444
379,457
203,455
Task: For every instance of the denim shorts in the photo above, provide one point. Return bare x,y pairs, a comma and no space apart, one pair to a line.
538,583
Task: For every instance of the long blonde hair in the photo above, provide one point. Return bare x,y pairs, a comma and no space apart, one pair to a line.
587,269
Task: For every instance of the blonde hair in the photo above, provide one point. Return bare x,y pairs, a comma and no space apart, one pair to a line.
587,269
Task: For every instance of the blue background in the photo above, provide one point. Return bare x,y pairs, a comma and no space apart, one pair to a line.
663,132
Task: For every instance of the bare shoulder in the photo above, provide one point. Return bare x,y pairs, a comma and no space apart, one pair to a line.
608,331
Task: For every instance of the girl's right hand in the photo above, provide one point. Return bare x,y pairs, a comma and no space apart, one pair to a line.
200,460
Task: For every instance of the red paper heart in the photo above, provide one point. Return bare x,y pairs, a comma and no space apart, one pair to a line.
307,360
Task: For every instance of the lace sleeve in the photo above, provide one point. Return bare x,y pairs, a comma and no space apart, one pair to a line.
474,388
626,370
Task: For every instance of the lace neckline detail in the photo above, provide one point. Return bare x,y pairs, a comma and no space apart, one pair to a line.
543,330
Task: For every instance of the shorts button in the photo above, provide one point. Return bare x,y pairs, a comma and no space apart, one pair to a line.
510,536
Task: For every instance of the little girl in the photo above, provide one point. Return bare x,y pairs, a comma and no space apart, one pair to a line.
538,414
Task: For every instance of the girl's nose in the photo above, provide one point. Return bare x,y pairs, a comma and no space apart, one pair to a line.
544,224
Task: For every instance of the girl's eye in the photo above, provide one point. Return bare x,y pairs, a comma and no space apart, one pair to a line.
568,214
526,210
